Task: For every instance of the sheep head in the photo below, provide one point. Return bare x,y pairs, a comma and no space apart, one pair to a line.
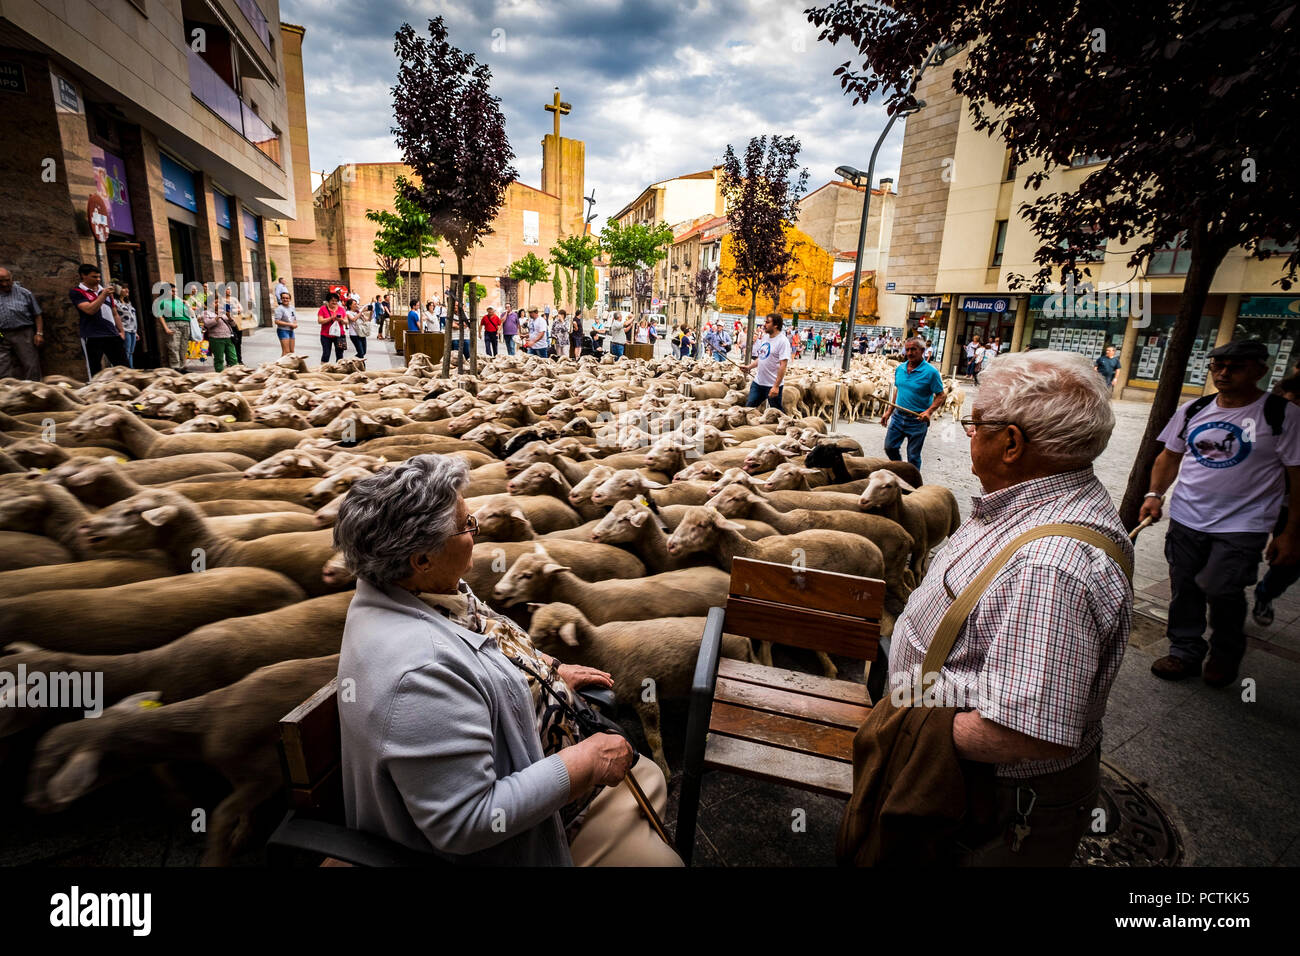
734,501
202,424
766,457
558,628
623,525
354,424
581,493
137,523
623,485
699,531
667,456
528,578
539,479
35,453
530,454
503,521
22,512
699,471
289,463
97,422
789,476
884,490
280,416
336,484
733,476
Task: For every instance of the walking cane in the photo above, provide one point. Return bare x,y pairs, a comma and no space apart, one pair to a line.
1146,523
644,803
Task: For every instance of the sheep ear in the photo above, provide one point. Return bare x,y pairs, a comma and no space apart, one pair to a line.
809,471
554,568
569,633
534,607
728,440
161,515
730,525
654,485
539,550
74,778
79,478
520,516
907,489
638,518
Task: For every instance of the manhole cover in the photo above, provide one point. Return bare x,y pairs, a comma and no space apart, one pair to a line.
1137,831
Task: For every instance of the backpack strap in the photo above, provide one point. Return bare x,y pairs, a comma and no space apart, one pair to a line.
951,624
1192,410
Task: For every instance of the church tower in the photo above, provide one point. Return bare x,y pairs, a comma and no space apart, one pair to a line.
563,164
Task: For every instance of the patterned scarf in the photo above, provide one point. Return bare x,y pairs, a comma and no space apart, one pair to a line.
555,727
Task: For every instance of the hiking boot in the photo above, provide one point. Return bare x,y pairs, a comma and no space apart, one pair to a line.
1263,610
1174,668
1219,672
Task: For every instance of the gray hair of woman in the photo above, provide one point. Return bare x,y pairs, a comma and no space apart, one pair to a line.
1059,401
399,512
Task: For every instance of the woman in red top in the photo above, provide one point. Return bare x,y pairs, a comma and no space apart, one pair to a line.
331,318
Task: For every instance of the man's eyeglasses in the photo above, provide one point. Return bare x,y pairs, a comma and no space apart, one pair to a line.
1217,366
471,526
970,424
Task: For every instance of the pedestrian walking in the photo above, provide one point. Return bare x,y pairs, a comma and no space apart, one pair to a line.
491,330
130,322
357,328
771,359
285,320
576,334
510,329
1233,454
330,316
22,330
918,389
1107,365
538,328
560,331
99,324
1279,577
233,312
977,361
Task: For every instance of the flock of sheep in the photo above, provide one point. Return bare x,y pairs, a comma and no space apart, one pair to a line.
172,533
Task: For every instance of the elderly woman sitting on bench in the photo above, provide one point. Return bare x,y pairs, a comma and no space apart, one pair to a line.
459,737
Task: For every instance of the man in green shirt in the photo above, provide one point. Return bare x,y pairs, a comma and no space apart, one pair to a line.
174,321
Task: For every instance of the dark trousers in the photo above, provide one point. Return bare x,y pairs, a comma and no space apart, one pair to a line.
18,355
758,394
359,342
902,425
237,340
328,342
108,348
1213,569
490,343
1061,809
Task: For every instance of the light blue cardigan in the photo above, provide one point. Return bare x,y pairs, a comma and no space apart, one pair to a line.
440,743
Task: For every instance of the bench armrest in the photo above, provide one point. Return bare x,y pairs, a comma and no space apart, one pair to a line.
337,841
697,730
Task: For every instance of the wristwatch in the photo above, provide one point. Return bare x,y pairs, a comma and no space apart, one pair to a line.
1152,494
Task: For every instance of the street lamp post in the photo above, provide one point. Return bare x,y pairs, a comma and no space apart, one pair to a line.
442,272
938,53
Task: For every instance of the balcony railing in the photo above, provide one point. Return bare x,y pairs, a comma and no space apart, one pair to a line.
210,89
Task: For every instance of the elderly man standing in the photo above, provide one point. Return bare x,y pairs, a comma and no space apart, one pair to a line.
918,390
22,330
1042,644
1232,453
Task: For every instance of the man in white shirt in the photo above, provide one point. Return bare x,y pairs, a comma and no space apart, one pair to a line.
1233,454
771,358
538,329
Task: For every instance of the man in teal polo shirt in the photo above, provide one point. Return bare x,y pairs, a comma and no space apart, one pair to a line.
918,387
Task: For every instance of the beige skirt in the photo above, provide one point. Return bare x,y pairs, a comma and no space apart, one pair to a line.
616,832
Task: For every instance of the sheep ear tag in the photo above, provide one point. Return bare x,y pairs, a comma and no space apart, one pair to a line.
229,418
640,499
137,406
147,703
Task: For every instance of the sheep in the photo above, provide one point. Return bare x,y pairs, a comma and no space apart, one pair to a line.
210,656
295,490
233,729
580,494
544,513
289,463
589,560
896,545
790,476
662,650
845,468
929,514
168,521
106,421
21,550
47,510
814,500
706,531
99,483
97,572
537,577
625,484
540,479
699,471
335,484
631,523
132,617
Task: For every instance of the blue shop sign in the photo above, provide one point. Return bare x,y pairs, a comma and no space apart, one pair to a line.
178,184
251,230
221,204
977,304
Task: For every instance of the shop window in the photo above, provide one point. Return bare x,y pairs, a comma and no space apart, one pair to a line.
1153,341
999,243
1275,321
1087,159
1172,258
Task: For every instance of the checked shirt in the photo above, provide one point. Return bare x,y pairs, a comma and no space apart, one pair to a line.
1039,652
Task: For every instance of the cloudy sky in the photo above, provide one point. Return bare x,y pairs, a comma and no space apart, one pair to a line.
658,88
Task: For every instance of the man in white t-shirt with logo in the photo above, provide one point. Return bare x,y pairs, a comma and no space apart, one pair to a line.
771,357
1233,454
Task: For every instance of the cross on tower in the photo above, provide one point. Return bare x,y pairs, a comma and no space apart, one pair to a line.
559,109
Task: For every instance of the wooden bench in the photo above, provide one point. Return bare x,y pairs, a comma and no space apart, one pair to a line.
311,756
769,723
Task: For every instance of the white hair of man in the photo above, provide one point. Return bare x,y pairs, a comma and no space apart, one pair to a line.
399,512
1056,398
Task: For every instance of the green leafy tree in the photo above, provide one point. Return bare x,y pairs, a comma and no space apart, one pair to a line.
589,293
636,247
530,270
406,233
556,287
1192,103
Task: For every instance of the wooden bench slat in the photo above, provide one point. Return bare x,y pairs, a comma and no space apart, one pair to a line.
809,588
777,730
310,733
772,700
845,691
818,774
813,630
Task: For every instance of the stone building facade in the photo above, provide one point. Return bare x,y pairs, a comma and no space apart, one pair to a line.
178,120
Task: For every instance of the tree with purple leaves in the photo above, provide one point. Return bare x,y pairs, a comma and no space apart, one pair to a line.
1191,105
762,202
452,134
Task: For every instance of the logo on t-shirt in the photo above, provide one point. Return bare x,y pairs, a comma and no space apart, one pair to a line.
765,350
1218,444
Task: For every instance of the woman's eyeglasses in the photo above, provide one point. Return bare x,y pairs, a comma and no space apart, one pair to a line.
471,526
